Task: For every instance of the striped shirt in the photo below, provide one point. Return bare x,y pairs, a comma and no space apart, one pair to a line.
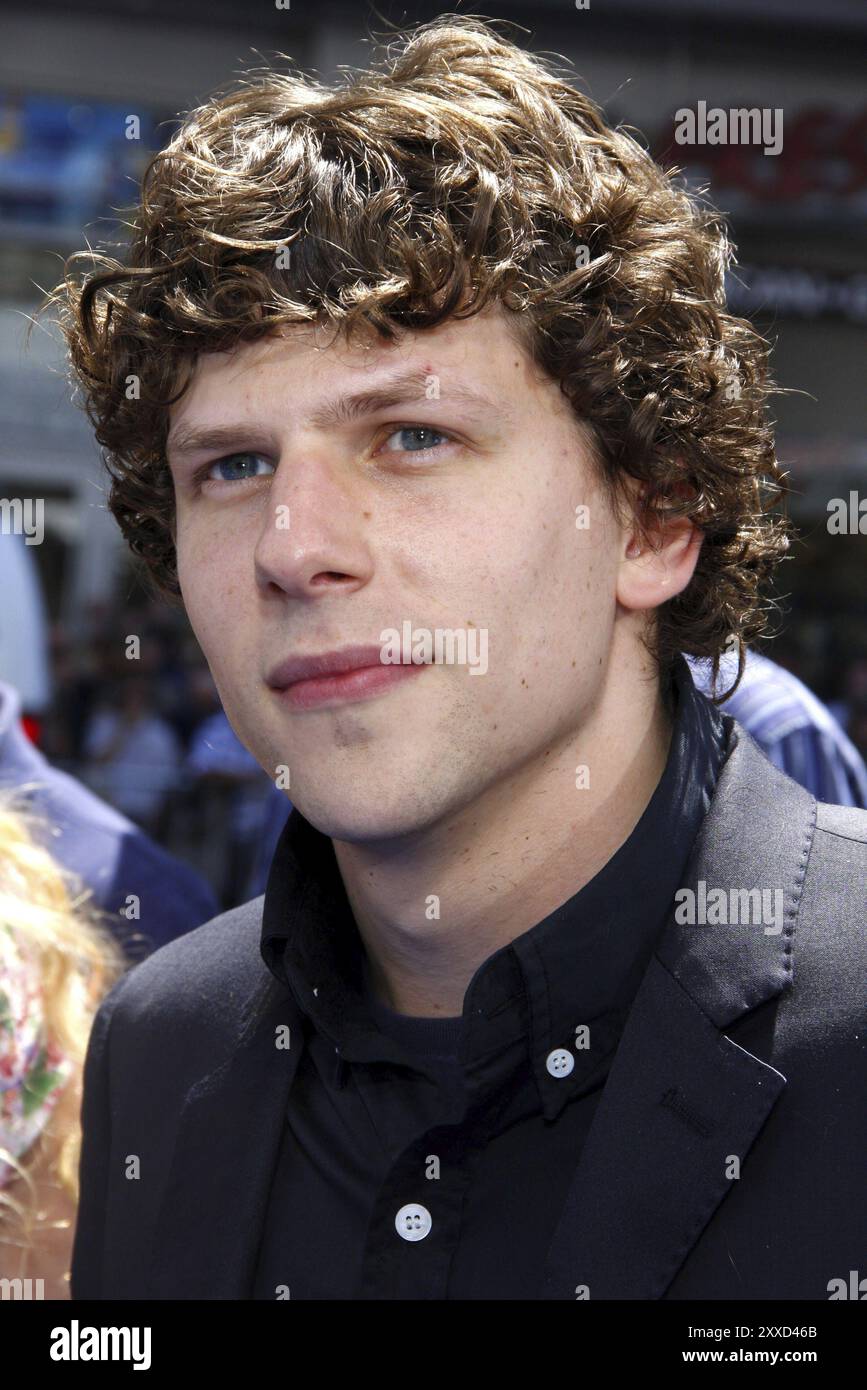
796,731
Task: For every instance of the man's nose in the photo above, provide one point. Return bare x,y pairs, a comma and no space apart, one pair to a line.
312,534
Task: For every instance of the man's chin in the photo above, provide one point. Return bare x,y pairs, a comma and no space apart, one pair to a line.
364,822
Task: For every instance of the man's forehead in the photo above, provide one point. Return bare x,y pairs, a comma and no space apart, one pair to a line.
469,361
319,343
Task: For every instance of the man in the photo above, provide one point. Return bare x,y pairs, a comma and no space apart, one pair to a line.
556,988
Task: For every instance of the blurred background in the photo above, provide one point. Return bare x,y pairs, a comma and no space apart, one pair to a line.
156,745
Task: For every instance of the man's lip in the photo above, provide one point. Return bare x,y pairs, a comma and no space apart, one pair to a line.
301,668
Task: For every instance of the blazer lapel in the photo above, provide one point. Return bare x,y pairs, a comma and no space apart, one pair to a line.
207,1233
682,1099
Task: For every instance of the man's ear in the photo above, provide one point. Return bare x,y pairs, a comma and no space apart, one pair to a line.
658,565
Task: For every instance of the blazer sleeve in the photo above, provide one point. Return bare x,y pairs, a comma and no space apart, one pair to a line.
86,1271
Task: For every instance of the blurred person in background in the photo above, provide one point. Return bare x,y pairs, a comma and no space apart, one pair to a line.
57,961
790,724
275,815
113,856
132,755
233,787
858,723
848,710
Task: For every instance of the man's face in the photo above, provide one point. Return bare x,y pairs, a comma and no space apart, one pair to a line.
309,535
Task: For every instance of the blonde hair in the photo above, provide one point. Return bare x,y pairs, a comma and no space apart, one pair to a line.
46,908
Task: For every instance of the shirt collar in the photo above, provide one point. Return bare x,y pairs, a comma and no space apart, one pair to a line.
577,969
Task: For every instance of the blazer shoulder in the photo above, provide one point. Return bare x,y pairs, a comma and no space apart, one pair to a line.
205,976
845,822
836,880
830,943
834,903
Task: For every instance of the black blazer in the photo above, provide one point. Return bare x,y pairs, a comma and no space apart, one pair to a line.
742,1047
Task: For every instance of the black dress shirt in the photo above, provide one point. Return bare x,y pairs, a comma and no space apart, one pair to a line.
429,1158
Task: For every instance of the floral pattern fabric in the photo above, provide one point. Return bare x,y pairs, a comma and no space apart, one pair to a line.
33,1070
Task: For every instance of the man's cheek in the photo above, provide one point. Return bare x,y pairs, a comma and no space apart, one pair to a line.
205,581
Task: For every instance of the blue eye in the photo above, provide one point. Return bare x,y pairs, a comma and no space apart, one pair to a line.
426,448
230,461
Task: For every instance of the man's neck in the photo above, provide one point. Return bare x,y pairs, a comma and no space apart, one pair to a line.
431,908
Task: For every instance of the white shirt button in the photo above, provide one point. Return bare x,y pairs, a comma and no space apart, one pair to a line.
559,1062
413,1222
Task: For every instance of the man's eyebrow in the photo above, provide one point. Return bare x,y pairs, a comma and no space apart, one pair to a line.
401,389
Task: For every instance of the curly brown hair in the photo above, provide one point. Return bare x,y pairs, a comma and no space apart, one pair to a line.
456,170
